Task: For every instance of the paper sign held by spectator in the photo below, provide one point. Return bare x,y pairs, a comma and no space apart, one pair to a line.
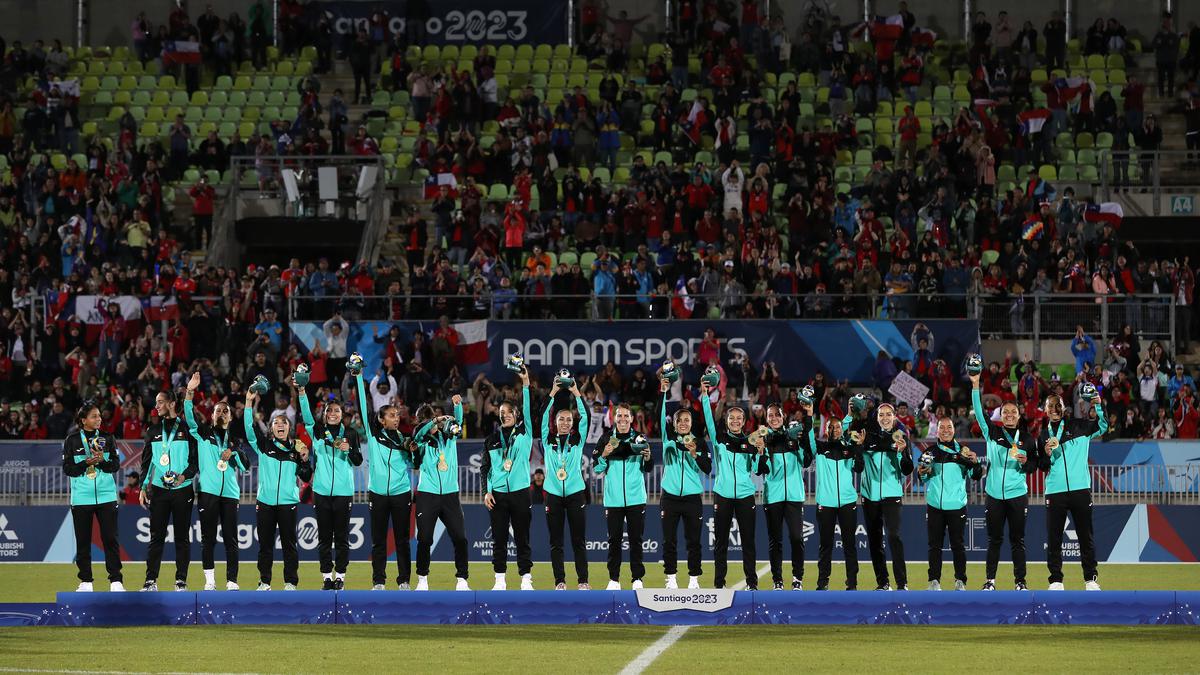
906,388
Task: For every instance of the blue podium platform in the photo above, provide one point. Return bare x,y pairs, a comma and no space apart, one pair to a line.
647,607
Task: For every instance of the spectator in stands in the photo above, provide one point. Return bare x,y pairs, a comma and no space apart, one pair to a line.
1166,56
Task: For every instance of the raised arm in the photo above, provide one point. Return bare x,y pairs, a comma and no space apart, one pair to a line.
709,423
306,416
364,405
977,406
189,415
582,426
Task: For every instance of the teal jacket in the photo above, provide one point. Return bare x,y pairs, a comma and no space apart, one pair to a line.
1066,466
564,452
1005,475
682,473
734,458
279,465
623,470
836,463
333,470
169,437
946,485
502,446
389,461
102,487
884,467
432,447
211,442
783,465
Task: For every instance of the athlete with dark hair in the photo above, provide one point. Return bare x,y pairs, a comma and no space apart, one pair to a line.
91,462
220,460
505,473
686,460
169,463
562,453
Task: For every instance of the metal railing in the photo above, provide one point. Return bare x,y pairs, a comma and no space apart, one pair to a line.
1111,484
1053,317
1159,172
1026,316
294,186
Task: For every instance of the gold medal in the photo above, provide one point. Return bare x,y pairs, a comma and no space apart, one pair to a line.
222,465
897,436
687,439
164,459
1052,443
1014,452
442,465
561,473
508,465
91,473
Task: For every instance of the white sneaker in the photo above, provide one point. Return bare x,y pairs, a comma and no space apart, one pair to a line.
461,584
934,585
671,582
210,580
378,587
263,587
501,583
210,586
422,583
231,586
116,587
84,587
637,585
960,585
527,582
289,587
1056,586
613,586
1091,585
693,582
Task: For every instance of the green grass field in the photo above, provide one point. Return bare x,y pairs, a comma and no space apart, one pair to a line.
593,649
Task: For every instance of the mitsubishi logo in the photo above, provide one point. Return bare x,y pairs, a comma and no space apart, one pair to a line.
5,533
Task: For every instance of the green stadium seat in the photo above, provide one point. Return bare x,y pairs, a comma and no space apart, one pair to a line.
242,83
1048,172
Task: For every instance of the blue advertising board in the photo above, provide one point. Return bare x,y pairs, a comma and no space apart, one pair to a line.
1129,533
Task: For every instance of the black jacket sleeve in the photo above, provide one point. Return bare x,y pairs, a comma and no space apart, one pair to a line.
485,467
976,470
70,466
1043,456
147,456
193,464
703,457
906,462
113,463
304,470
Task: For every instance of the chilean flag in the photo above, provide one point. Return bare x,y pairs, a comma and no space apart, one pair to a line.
160,308
472,346
435,181
180,51
1032,121
1106,213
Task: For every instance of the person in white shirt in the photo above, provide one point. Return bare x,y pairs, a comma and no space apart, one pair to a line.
733,180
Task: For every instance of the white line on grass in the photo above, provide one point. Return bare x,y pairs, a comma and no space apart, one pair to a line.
662,644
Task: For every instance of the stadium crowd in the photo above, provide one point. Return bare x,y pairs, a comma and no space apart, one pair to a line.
751,211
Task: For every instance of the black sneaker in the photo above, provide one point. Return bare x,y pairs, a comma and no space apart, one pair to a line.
797,585
778,586
822,584
1021,586
327,585
883,587
852,587
339,584
988,585
752,588
180,586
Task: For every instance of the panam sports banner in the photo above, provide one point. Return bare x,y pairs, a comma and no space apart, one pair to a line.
840,349
1124,534
459,22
